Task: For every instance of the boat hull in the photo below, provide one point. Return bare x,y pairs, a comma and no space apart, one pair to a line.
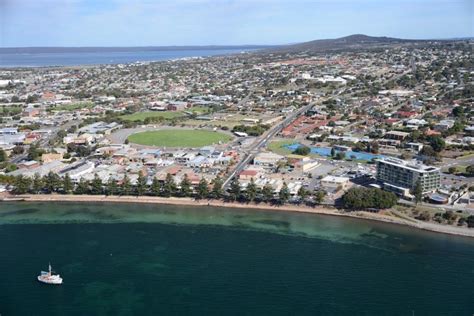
50,281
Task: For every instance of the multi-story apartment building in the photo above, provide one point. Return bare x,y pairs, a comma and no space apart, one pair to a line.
401,176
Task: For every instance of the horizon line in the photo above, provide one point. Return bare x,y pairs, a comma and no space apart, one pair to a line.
238,45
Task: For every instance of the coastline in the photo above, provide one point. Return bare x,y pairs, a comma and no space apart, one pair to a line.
322,210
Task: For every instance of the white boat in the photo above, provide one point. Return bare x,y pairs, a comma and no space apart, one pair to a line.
49,278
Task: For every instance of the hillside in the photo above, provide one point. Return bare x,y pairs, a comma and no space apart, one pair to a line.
348,42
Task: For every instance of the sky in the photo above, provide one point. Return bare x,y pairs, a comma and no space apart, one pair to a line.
25,23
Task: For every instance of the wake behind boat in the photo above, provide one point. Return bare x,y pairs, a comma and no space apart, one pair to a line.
49,278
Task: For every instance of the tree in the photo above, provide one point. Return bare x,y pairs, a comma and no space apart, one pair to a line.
202,189
470,170
333,152
359,198
319,196
428,151
267,193
169,187
22,184
424,216
96,185
3,155
34,152
340,155
303,193
217,188
82,187
373,147
67,184
437,143
126,187
452,170
112,187
470,221
18,150
185,186
141,184
418,192
156,187
52,182
302,150
234,192
37,185
251,191
284,194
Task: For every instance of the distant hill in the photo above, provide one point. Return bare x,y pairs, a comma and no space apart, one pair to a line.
348,42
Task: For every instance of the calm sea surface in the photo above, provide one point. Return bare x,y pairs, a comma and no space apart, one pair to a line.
94,58
161,260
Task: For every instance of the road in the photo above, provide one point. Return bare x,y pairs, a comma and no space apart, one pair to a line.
262,142
45,140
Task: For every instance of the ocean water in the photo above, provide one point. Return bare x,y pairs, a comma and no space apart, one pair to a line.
95,58
169,260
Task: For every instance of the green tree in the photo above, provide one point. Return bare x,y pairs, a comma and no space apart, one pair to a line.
97,185
437,143
470,221
126,186
235,191
112,186
303,193
67,184
217,191
267,193
3,155
302,150
284,194
418,192
202,189
452,170
169,187
52,182
22,184
18,150
82,187
470,170
185,186
251,191
156,187
319,196
141,184
359,198
34,152
37,185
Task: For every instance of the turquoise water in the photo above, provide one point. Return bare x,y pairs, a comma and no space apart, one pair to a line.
160,260
326,152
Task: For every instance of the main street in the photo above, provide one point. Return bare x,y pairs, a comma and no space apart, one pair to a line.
262,142
43,143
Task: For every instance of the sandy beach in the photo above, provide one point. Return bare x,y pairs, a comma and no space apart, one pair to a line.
324,210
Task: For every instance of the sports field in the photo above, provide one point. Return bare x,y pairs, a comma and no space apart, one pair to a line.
179,138
141,116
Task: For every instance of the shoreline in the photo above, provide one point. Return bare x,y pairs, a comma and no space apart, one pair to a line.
322,210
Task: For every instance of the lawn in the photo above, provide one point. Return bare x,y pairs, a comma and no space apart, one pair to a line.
198,109
278,146
179,138
72,106
141,116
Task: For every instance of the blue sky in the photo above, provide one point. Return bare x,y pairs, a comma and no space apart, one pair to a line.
206,22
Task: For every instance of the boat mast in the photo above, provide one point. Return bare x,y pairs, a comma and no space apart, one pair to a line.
50,268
